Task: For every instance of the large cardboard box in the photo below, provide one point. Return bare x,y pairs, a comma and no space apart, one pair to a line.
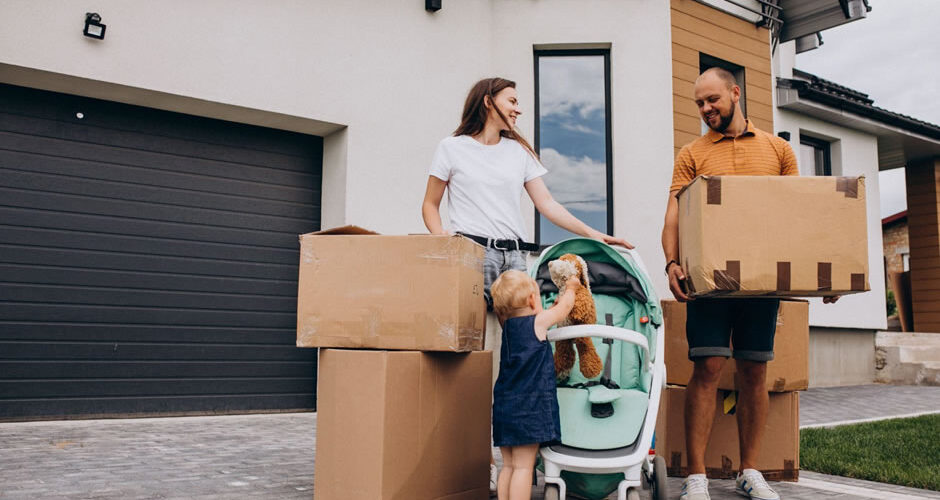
788,371
779,459
402,425
358,289
774,235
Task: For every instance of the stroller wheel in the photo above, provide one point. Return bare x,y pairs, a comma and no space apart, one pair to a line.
659,479
552,492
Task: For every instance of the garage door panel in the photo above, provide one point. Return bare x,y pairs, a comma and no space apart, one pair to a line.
26,311
146,281
154,369
173,405
67,239
149,352
70,128
41,199
148,260
15,216
36,331
131,297
108,189
111,171
160,161
160,387
91,259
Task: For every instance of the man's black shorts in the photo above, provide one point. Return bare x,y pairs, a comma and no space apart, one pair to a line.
748,323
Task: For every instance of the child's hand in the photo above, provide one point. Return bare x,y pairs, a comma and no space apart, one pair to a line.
573,283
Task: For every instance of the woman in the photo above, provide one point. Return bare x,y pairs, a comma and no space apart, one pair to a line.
485,166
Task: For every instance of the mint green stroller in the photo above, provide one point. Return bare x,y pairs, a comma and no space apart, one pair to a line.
607,422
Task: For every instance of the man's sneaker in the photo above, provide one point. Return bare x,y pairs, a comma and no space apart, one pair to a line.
750,483
494,474
695,487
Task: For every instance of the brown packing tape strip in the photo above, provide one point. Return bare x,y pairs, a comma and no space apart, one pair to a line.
727,466
713,190
847,185
729,278
690,288
858,282
824,276
783,276
676,460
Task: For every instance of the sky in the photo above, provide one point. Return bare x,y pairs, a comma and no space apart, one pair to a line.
573,139
893,56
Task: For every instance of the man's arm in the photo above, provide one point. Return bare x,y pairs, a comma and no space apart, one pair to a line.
671,249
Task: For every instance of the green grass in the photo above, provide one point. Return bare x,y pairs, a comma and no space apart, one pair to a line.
902,451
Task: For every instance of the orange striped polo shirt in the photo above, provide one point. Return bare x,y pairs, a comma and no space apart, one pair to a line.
754,152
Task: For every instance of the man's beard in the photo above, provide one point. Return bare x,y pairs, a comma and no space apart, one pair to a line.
723,123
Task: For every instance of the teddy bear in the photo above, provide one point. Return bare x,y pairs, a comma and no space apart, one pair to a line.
583,313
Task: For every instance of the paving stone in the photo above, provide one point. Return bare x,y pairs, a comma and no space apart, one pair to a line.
272,456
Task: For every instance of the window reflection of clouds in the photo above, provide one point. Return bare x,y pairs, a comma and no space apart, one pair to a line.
573,138
571,83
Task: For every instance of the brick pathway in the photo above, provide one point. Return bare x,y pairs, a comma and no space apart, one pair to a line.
839,404
271,456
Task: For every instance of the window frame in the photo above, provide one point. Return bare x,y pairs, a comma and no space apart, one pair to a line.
706,61
826,147
537,144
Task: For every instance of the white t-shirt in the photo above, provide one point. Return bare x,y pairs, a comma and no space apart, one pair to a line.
485,184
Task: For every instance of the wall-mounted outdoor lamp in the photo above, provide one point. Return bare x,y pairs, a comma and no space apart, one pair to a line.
432,5
93,26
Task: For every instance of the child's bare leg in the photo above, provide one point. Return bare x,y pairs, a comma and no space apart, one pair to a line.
523,461
505,474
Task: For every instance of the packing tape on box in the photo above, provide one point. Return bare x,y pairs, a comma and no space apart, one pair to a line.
847,185
729,403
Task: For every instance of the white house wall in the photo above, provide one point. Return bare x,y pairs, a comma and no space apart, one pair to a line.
853,153
382,81
638,33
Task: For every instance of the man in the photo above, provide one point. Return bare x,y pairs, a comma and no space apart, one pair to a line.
732,146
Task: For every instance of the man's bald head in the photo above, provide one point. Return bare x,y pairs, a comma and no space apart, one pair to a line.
719,73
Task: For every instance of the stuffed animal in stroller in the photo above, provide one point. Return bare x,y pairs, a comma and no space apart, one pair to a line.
583,313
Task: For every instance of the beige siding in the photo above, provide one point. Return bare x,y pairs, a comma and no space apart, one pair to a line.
698,28
923,217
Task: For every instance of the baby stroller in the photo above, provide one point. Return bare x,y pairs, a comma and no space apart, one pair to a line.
607,422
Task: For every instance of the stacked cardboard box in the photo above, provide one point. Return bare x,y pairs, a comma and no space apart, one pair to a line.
787,373
403,390
774,235
756,236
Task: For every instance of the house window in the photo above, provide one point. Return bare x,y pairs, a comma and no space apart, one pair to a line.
815,155
572,136
706,61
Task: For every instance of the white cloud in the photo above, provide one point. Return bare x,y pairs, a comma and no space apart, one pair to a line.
571,84
577,127
578,183
891,55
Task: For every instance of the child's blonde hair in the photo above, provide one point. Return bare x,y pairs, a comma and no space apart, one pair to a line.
510,292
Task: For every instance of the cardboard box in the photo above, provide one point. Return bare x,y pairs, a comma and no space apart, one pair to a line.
402,425
358,289
789,370
774,235
779,458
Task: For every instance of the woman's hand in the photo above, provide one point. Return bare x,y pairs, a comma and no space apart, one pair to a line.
611,240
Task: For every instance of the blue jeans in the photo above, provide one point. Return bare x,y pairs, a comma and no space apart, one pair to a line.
495,262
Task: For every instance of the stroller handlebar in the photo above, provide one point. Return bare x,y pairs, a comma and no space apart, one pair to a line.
603,331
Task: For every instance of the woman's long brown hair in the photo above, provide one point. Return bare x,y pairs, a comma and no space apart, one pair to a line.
475,111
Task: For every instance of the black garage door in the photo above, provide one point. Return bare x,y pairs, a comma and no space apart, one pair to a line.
148,260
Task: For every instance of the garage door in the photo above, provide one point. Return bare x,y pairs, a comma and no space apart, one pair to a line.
148,260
